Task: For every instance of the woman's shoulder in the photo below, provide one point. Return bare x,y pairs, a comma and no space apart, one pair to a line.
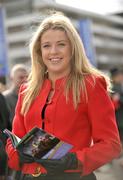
23,87
92,81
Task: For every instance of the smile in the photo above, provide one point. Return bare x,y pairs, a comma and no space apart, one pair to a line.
55,60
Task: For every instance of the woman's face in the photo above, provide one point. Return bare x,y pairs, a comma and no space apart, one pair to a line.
56,52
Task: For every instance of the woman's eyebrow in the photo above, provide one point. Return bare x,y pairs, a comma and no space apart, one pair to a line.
56,41
44,42
62,41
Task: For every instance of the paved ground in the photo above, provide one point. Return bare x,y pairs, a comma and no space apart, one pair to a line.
112,171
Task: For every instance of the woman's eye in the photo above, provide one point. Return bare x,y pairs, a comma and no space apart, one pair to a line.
61,44
46,46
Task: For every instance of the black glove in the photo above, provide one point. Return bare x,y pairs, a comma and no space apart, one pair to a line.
24,159
56,166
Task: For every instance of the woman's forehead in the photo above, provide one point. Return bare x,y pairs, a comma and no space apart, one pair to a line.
54,34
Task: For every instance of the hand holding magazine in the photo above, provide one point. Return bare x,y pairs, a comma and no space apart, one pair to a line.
38,143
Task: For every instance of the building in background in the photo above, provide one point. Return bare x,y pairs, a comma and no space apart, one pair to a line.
101,7
3,50
105,32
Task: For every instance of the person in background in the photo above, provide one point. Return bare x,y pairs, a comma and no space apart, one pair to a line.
4,123
2,87
18,75
69,98
117,97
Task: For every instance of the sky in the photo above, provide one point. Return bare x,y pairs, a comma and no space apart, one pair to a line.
97,6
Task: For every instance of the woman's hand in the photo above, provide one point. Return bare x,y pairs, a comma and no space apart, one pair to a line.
13,158
54,166
24,159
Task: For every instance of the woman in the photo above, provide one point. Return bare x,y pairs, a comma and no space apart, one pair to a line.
69,98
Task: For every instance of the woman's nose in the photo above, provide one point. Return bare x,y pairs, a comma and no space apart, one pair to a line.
53,49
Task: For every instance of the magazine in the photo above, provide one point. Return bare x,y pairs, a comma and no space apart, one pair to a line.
39,144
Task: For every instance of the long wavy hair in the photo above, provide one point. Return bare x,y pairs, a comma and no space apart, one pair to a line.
80,65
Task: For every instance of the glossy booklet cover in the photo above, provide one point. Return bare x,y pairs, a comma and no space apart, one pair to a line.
39,144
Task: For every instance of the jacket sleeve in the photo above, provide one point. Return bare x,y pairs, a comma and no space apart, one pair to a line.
19,130
105,137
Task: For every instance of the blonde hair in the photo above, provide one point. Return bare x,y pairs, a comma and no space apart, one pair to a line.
80,63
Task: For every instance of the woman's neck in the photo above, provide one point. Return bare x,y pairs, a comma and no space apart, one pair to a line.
53,78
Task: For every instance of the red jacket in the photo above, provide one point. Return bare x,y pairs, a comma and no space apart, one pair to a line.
91,128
